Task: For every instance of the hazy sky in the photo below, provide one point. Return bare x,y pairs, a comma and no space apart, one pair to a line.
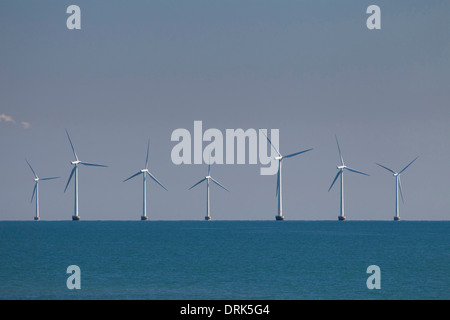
138,70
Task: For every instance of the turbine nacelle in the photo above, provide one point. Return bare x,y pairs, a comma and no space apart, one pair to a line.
75,162
341,167
36,180
279,158
144,170
208,177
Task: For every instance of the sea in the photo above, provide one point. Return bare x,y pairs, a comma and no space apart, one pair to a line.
225,260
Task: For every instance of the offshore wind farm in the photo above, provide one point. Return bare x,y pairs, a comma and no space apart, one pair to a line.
383,107
327,121
209,179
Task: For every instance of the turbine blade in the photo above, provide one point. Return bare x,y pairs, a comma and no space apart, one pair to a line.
71,144
70,177
197,183
216,182
146,158
335,178
34,191
400,188
52,178
339,149
92,164
271,143
356,171
156,180
392,171
407,165
297,153
134,175
35,175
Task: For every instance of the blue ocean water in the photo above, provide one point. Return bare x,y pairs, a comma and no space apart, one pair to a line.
192,260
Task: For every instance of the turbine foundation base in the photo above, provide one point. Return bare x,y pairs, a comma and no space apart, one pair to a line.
279,218
75,218
342,218
207,218
396,218
37,218
144,218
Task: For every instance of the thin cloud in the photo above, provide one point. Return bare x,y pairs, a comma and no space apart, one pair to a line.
25,124
6,118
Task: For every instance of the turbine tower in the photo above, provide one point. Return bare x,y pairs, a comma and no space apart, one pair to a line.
74,171
340,173
36,189
398,187
279,193
144,173
208,178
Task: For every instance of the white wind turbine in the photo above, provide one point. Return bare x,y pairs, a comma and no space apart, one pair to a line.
144,173
74,171
341,169
279,193
398,187
208,178
36,189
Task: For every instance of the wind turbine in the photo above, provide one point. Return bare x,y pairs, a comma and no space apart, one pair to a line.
398,187
208,178
36,189
279,194
144,173
341,169
74,171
